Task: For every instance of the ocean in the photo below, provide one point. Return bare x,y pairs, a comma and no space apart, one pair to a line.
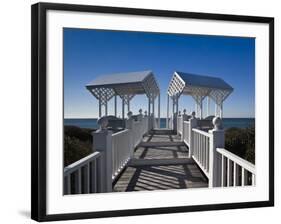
227,122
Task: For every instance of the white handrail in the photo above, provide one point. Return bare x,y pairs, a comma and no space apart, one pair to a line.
201,149
186,132
238,160
121,151
230,174
82,162
201,132
137,133
88,168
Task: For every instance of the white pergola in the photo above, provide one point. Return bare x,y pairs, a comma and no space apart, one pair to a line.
126,86
198,87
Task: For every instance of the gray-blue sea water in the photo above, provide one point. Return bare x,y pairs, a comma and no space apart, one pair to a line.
227,122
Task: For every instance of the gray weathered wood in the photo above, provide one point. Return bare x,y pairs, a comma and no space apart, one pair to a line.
161,166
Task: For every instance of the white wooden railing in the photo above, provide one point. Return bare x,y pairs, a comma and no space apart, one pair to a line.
235,171
121,151
220,166
201,149
97,171
137,133
186,131
179,124
83,176
144,125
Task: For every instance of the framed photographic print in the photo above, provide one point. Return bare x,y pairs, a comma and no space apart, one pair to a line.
138,111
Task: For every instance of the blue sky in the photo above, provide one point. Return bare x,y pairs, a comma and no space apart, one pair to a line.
90,53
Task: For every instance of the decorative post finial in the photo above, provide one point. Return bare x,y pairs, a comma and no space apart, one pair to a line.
140,111
103,122
130,114
179,113
184,111
217,122
193,114
145,113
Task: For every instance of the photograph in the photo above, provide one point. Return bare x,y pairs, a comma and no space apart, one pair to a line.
145,111
133,105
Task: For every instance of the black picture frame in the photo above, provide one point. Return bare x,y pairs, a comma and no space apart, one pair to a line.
38,108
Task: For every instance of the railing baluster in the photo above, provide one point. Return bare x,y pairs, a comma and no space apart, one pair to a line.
234,174
229,172
113,154
208,154
68,184
93,177
86,184
99,173
78,187
243,177
222,170
194,144
202,149
205,151
253,179
199,148
246,180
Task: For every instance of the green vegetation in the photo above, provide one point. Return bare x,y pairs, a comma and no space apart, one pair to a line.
77,143
241,141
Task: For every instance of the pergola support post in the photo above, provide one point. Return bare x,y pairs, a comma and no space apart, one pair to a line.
168,110
201,108
177,104
99,108
175,112
153,106
208,106
128,105
216,109
221,110
159,110
123,108
106,111
149,109
115,106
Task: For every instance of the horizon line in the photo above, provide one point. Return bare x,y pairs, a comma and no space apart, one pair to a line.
155,117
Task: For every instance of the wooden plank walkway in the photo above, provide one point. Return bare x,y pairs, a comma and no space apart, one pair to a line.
160,162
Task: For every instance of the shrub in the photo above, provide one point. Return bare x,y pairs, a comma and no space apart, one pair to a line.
241,141
77,144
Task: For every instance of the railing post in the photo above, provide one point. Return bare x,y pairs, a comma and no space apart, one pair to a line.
179,122
216,141
184,118
129,121
130,126
151,122
146,121
102,142
175,121
140,116
193,124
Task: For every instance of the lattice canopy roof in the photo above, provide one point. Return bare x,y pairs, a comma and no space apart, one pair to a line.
126,85
199,86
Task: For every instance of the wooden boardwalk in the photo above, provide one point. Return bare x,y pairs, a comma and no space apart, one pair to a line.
160,162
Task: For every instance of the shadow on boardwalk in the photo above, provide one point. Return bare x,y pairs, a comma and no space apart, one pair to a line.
160,162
